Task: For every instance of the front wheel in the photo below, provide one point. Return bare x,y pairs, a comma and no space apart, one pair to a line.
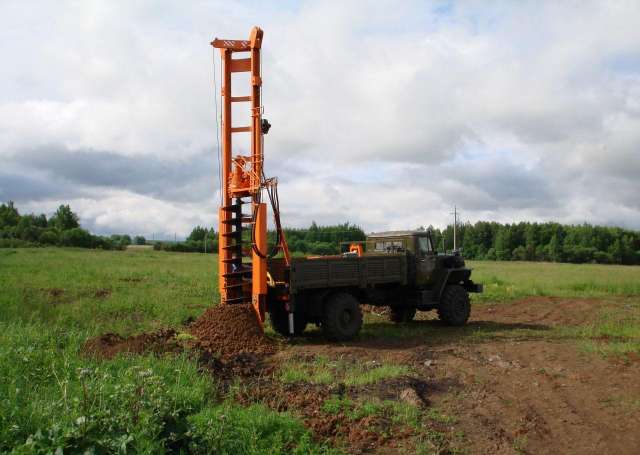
342,317
454,308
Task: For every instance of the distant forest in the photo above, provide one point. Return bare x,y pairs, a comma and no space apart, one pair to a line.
484,240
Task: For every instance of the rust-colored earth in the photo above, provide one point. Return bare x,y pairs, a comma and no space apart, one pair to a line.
515,395
508,394
223,332
228,330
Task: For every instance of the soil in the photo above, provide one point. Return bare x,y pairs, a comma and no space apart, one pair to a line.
102,293
108,345
228,339
511,396
56,296
508,395
357,434
229,330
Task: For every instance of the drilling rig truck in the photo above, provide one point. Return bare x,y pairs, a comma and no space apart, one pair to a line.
399,269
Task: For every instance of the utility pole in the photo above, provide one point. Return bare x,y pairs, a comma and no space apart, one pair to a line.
455,227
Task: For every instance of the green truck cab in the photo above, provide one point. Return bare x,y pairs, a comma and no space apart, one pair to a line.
398,269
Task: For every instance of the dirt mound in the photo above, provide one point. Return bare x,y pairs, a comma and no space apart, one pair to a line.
108,345
229,330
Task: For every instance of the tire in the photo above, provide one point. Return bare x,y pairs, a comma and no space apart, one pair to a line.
400,314
279,320
342,317
454,308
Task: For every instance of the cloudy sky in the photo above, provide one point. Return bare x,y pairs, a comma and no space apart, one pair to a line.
384,114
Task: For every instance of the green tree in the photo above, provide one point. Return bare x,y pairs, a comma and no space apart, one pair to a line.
27,228
197,234
554,249
9,215
503,243
64,219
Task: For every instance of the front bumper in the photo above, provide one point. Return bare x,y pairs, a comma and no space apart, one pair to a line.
470,286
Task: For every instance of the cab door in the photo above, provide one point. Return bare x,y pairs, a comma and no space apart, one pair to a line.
426,260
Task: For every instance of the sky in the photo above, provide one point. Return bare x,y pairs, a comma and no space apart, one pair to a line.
384,114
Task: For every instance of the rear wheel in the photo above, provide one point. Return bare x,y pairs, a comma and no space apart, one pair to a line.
279,319
399,314
454,308
342,317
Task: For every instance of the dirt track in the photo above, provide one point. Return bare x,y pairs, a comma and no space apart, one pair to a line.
516,396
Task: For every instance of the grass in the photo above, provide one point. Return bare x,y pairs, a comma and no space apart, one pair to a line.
52,398
52,300
105,291
505,281
322,370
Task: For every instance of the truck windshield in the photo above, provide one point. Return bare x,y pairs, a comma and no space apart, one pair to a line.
425,245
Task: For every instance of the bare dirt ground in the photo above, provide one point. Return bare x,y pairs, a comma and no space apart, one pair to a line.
512,396
502,391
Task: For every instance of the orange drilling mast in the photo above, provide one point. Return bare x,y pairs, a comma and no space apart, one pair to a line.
243,257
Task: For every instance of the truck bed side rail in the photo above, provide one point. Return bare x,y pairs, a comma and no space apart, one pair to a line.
334,272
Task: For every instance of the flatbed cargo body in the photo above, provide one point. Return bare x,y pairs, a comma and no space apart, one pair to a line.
339,271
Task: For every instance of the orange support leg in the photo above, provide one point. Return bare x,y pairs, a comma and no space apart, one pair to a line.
259,278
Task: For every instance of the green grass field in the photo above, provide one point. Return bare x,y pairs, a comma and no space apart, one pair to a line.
51,300
509,280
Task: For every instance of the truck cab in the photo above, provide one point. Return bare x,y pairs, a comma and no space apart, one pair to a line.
418,245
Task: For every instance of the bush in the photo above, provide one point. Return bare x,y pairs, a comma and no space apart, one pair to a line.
602,257
16,243
48,237
519,254
76,237
139,240
104,243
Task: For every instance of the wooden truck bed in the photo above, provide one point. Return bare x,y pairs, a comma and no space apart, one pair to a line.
341,271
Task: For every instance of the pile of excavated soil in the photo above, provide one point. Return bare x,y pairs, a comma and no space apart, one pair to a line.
108,345
222,332
229,330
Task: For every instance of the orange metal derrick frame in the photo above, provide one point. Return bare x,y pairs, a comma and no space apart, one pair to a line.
242,177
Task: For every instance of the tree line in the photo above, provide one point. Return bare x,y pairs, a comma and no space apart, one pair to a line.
61,229
484,240
552,242
320,240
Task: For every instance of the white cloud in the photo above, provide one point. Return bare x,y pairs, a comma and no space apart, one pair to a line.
384,115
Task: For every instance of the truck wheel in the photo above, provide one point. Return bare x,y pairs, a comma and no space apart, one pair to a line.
342,318
399,314
279,320
454,308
